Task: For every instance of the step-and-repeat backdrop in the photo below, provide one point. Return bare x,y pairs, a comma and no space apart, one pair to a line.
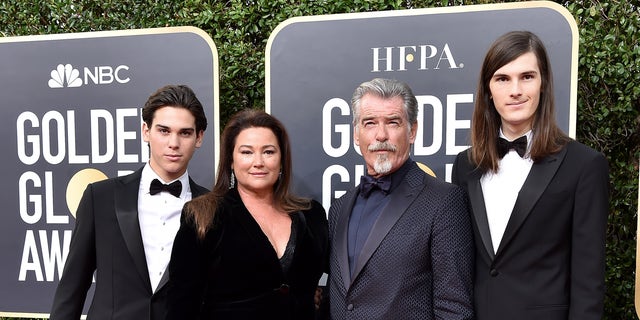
71,115
71,109
314,64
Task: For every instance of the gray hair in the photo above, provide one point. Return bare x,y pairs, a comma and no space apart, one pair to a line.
386,89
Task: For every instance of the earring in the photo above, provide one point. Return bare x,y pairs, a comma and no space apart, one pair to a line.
233,181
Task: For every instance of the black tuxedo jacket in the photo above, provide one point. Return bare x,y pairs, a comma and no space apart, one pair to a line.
550,262
107,239
417,262
234,272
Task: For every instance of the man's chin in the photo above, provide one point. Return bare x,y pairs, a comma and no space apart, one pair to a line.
174,170
382,168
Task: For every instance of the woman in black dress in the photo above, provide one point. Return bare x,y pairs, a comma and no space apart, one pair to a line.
249,249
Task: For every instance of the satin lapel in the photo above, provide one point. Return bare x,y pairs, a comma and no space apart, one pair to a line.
255,235
537,181
126,204
342,227
400,200
479,210
164,280
196,190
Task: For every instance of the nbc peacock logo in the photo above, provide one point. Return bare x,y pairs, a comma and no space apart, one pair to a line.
65,75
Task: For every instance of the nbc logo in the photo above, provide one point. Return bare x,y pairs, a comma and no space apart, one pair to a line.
65,73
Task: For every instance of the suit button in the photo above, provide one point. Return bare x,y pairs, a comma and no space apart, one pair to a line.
494,272
350,307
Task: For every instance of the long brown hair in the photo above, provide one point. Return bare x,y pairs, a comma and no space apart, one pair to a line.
547,136
202,209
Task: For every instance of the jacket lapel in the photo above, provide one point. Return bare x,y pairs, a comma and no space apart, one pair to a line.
254,234
196,190
127,214
342,229
400,200
471,182
476,198
537,181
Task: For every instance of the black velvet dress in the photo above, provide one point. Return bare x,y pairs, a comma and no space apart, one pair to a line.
234,273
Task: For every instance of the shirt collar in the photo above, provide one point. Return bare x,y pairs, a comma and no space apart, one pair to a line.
528,134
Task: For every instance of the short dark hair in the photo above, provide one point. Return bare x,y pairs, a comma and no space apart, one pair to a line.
178,96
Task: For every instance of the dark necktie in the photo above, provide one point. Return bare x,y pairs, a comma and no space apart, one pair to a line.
519,145
174,188
368,183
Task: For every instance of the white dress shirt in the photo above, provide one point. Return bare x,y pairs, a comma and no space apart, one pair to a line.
159,217
500,190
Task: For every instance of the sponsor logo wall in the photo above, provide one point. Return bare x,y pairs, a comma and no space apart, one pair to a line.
314,64
71,115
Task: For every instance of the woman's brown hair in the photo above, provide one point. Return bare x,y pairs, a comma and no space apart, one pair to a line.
202,210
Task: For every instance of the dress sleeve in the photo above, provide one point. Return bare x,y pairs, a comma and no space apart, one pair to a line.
187,273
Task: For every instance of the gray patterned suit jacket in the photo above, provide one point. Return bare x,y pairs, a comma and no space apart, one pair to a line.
417,263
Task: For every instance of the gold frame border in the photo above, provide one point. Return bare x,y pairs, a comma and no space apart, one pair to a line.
573,90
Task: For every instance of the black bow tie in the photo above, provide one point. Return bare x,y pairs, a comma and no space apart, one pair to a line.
520,145
368,183
174,187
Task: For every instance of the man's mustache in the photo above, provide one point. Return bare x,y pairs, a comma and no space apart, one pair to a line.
382,146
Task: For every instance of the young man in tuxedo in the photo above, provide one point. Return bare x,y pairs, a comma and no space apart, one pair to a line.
539,199
125,226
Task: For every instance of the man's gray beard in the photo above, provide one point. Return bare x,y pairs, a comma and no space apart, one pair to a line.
382,165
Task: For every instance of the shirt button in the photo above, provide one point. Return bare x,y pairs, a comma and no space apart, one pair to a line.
350,307
162,249
494,272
